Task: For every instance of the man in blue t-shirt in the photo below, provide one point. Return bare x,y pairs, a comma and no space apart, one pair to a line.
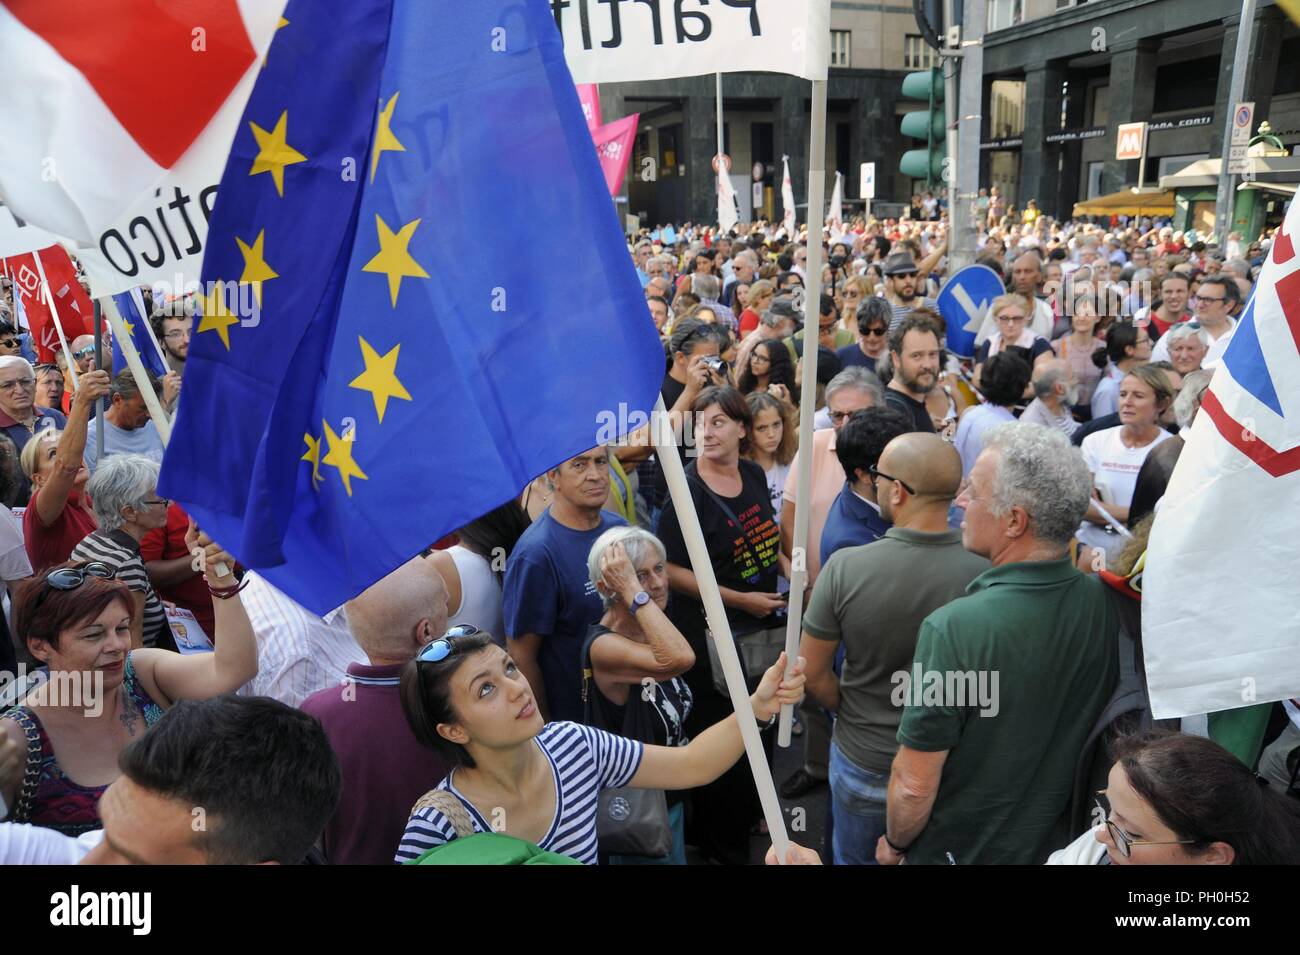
854,518
548,600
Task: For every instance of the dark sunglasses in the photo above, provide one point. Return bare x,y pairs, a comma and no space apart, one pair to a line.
875,472
9,342
70,578
443,647
86,352
877,332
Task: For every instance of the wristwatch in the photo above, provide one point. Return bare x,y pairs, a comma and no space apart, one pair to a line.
639,601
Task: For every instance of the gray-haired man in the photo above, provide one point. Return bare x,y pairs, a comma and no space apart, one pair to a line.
1008,680
128,429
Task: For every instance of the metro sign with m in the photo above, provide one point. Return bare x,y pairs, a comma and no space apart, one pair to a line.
1248,408
1130,140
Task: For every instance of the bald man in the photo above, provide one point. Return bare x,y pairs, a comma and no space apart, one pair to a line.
1027,280
872,599
385,770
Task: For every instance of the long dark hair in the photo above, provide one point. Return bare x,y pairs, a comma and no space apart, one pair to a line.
781,371
495,534
1204,793
425,691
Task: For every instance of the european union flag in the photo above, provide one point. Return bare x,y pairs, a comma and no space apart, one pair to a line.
418,295
130,305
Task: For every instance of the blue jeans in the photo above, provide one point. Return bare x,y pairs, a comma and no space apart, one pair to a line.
858,809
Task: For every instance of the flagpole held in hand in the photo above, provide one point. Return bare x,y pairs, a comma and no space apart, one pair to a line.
808,393
99,363
719,627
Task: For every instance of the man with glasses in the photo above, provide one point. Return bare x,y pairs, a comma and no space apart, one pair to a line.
874,316
855,518
900,287
871,601
1214,304
10,342
173,324
852,390
128,428
20,416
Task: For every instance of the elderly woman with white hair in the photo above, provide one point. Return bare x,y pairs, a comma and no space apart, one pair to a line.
633,659
124,490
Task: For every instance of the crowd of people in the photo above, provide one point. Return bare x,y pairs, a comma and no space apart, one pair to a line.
544,685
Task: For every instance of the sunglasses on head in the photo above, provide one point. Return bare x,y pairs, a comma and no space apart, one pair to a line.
70,578
443,647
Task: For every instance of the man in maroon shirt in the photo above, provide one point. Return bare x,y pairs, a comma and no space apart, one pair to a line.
385,770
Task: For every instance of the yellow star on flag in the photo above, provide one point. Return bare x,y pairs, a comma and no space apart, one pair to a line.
385,141
380,377
340,456
256,271
217,316
393,259
281,25
130,328
313,455
274,152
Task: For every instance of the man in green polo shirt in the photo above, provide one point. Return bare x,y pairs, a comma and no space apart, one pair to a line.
985,778
873,598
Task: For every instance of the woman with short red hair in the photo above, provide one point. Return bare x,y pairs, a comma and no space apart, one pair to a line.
100,693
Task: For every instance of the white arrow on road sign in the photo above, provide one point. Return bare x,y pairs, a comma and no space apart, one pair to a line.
975,313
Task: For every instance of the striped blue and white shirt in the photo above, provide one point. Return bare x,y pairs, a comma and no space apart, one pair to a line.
584,760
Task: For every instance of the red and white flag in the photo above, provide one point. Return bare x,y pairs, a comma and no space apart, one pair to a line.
73,305
114,105
1220,620
614,148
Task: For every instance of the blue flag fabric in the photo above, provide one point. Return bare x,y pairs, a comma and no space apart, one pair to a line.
418,294
131,307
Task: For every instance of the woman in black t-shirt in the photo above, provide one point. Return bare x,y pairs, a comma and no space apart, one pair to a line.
743,539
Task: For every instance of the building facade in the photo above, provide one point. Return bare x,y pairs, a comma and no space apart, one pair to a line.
767,116
1060,76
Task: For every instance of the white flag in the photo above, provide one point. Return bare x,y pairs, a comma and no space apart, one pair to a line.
787,202
728,212
837,199
1220,618
618,42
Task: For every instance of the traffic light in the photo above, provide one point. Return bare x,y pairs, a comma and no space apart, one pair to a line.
927,124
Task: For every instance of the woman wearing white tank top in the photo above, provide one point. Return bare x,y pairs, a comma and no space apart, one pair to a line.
472,569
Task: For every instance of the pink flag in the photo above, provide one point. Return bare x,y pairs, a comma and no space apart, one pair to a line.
589,96
614,147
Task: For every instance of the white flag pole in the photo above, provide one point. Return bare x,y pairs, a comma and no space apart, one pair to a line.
54,314
808,392
138,298
719,627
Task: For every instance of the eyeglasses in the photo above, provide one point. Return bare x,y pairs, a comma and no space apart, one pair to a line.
442,648
176,334
1199,298
875,473
1010,318
825,329
86,352
903,275
70,578
1123,841
9,342
23,383
165,502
